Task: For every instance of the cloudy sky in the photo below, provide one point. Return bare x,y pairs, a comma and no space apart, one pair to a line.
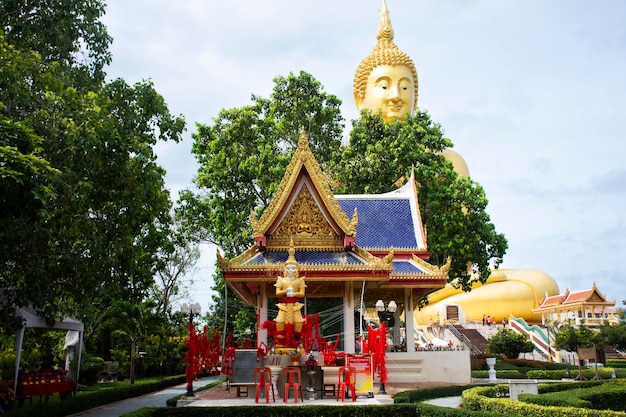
532,93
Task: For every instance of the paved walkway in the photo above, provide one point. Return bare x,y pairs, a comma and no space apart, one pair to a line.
155,399
218,396
448,402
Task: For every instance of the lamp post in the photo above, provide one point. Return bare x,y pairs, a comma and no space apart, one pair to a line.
385,315
190,310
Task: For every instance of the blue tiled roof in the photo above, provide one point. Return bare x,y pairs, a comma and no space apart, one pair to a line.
406,267
310,257
383,223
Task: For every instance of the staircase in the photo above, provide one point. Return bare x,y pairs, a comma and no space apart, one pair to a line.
610,353
471,337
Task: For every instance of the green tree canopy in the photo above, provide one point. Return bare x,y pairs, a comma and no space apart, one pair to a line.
243,157
571,338
509,343
244,154
80,153
65,31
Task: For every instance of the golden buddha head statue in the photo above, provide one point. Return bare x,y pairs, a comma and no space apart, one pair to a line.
385,82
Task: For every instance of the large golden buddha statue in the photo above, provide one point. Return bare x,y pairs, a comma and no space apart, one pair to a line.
385,83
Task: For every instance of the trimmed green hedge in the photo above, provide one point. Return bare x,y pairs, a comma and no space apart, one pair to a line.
607,396
503,374
616,363
610,398
489,398
546,374
309,410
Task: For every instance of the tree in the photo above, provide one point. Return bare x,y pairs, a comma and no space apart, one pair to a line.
380,157
509,343
129,320
177,258
243,156
65,31
614,335
571,338
105,212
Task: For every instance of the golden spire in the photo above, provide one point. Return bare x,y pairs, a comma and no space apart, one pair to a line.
292,255
384,30
303,141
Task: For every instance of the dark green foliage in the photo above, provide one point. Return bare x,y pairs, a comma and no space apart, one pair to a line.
555,400
606,399
509,343
615,335
422,394
616,363
604,396
571,338
79,154
65,31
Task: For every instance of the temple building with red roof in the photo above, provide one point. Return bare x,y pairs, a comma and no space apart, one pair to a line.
577,307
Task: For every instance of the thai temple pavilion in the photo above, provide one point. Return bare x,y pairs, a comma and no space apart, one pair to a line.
577,307
352,250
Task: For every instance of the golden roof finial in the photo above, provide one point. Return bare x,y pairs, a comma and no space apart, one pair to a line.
303,142
292,255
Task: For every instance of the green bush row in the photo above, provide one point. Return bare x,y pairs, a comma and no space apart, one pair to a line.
588,374
605,373
504,374
488,398
616,363
309,410
80,403
603,397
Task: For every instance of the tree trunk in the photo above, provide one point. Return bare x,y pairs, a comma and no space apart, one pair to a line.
132,362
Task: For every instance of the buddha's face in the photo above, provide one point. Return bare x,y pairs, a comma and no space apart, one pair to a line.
390,92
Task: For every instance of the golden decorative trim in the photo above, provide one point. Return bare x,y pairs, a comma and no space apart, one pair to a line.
353,223
401,249
388,259
433,269
237,260
254,224
304,267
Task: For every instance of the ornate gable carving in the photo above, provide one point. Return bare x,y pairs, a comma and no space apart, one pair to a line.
302,159
306,224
